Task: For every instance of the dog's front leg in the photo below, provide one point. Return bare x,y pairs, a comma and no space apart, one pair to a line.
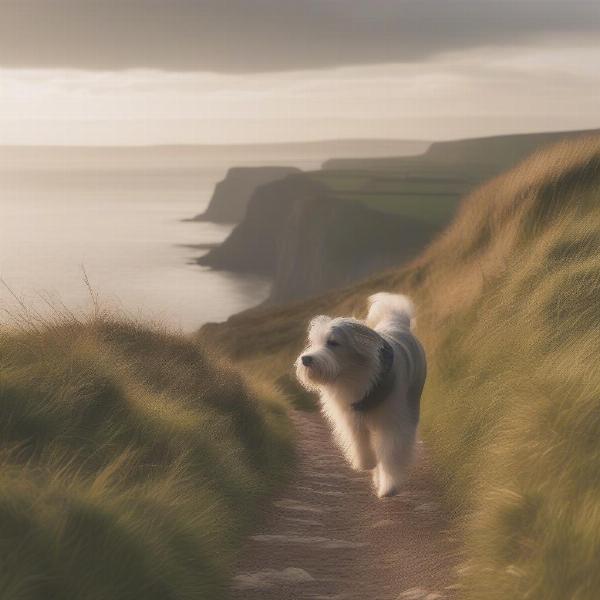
351,436
375,477
361,454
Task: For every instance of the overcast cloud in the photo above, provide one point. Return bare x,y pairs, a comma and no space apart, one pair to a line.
245,36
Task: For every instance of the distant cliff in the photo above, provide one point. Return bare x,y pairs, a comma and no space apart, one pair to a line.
475,158
309,242
231,196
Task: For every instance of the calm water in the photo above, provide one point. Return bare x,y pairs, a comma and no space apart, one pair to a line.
123,226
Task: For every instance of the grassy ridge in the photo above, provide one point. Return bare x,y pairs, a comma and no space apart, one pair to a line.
132,461
513,410
508,302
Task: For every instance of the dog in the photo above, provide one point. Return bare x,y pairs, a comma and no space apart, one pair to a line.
369,376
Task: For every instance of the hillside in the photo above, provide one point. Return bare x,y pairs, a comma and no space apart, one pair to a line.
433,183
308,242
231,196
507,305
133,461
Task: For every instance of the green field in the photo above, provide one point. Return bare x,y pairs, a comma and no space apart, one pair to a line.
426,198
132,461
508,311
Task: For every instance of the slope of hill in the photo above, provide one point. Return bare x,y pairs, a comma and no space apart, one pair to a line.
308,242
133,461
508,310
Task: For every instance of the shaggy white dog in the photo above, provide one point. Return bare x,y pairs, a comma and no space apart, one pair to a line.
369,376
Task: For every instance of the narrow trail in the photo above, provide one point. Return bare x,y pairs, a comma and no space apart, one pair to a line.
327,537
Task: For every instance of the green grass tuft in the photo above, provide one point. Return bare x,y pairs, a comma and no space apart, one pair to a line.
132,462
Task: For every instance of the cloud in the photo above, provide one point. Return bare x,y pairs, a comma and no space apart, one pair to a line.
494,90
246,36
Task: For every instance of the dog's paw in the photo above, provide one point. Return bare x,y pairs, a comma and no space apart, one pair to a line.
376,478
387,492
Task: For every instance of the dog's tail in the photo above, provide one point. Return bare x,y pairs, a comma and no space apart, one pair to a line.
390,307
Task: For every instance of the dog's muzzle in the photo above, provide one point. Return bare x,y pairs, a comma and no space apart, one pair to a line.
307,360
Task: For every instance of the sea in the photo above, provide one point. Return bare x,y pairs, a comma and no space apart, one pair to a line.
84,230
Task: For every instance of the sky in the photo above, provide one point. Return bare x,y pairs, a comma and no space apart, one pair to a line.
252,71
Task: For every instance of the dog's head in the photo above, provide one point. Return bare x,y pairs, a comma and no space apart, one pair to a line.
341,349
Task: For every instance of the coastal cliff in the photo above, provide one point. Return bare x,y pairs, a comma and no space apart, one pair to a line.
309,242
475,159
232,194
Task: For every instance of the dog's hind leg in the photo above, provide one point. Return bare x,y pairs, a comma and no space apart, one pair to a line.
394,457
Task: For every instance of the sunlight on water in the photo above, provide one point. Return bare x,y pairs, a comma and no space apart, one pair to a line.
124,228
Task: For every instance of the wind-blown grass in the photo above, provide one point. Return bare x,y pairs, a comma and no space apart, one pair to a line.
509,309
132,461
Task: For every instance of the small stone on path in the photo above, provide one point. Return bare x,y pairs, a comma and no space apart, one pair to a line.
303,521
383,523
419,594
268,578
427,507
296,505
323,542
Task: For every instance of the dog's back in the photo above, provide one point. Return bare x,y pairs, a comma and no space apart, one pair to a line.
392,316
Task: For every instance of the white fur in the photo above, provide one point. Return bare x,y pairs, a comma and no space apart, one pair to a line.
381,439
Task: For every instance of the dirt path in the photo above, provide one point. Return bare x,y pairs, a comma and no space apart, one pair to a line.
328,537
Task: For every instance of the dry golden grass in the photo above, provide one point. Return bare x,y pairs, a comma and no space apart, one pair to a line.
509,309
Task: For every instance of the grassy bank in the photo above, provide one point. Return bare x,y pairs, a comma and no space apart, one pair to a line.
132,462
508,308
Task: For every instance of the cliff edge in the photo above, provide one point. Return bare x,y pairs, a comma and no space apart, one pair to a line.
310,242
232,194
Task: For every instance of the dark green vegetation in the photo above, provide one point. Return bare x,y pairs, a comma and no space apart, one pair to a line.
430,186
431,199
508,308
132,462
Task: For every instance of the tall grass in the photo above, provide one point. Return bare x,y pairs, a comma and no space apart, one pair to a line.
512,411
509,310
131,462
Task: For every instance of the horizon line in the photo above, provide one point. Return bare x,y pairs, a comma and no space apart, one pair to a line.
295,142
